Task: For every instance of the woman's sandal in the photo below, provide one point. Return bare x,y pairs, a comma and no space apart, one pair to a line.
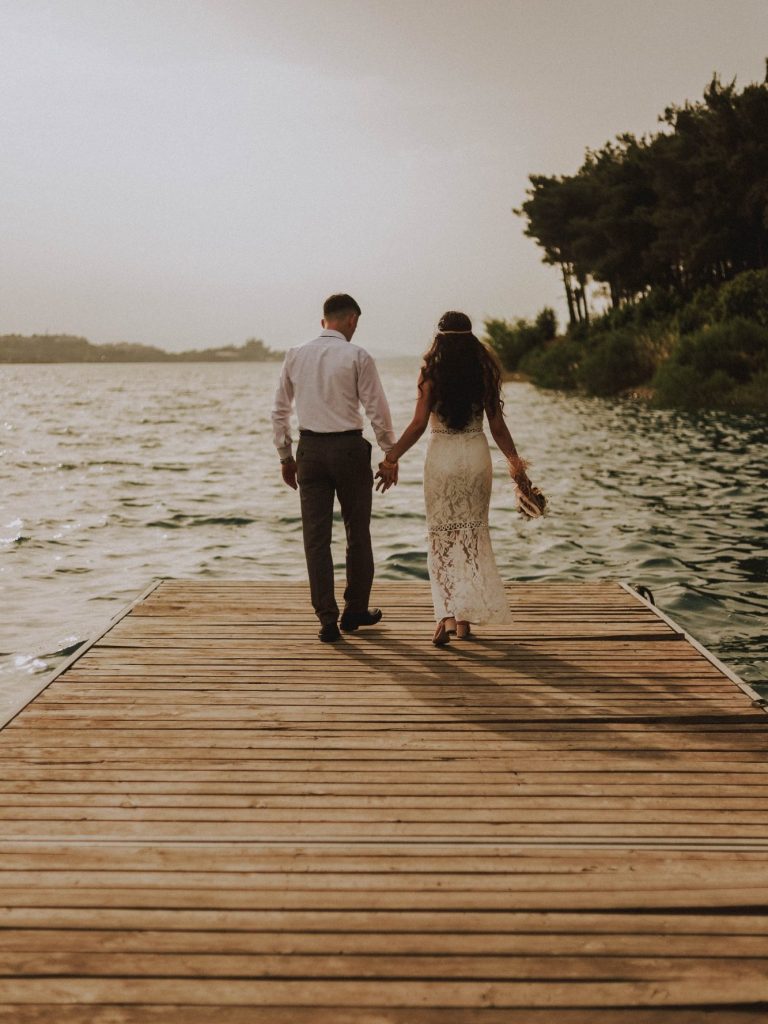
463,630
442,636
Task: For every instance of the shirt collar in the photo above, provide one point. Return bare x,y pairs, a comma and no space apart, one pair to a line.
332,334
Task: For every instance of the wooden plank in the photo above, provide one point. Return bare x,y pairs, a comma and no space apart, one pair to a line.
722,1013
395,830
386,966
13,804
381,786
367,920
302,857
486,814
389,878
255,901
549,945
700,987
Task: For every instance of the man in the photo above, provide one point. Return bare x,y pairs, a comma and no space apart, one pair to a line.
328,379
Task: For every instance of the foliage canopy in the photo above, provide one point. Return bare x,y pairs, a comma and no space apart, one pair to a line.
678,210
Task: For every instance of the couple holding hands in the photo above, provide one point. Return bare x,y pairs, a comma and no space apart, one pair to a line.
328,379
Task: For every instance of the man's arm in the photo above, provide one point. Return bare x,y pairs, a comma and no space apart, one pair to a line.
375,401
281,424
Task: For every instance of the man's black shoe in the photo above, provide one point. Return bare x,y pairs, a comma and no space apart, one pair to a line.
329,633
351,620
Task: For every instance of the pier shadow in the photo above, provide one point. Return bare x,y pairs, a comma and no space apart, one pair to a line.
471,695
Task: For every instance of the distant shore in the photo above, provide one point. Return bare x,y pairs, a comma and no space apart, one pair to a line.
65,348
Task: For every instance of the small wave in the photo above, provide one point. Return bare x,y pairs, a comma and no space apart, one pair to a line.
30,664
180,520
406,563
394,571
399,514
63,652
112,462
408,556
660,563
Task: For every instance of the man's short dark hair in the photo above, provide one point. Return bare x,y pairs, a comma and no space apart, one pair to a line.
336,305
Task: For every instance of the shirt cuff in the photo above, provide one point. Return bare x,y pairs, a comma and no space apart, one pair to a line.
286,452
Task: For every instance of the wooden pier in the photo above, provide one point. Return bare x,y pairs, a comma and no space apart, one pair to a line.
210,818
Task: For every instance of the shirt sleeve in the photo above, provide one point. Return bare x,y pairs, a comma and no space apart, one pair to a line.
281,412
375,402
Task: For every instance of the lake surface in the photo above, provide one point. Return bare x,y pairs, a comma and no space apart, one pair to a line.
111,475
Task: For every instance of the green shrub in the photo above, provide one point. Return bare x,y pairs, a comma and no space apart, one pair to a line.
737,347
546,324
512,341
700,312
722,367
658,306
581,331
745,296
708,352
620,360
680,387
752,396
554,365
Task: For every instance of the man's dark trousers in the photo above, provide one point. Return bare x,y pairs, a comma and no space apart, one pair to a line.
329,465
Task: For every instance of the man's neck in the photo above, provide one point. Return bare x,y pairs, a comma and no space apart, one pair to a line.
338,330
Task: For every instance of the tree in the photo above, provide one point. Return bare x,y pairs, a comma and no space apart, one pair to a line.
678,210
555,208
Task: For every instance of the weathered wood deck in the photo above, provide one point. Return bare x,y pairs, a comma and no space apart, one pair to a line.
210,818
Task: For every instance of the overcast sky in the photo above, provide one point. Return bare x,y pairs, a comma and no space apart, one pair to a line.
197,172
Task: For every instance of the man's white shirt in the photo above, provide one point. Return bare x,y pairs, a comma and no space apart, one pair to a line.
328,379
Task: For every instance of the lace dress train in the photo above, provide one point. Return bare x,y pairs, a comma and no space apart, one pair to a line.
458,477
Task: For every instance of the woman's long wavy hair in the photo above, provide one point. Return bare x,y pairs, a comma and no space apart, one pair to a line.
465,375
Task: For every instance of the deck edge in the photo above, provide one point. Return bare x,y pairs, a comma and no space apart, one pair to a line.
156,582
757,699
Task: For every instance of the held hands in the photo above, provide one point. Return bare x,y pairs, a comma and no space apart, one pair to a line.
386,475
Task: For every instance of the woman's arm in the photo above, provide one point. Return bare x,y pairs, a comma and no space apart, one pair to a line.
387,474
503,438
418,424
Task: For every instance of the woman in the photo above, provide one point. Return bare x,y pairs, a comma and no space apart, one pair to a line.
459,382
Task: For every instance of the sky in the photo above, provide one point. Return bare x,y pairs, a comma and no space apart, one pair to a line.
188,173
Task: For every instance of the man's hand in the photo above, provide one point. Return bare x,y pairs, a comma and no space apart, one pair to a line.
288,469
386,475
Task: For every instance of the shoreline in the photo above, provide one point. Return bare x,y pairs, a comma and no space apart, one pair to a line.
134,362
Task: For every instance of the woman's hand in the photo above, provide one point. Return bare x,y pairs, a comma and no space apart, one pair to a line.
386,475
517,467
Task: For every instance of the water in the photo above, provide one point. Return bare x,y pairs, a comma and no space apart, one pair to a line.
111,475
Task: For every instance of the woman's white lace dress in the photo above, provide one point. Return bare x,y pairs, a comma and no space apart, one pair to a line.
458,477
